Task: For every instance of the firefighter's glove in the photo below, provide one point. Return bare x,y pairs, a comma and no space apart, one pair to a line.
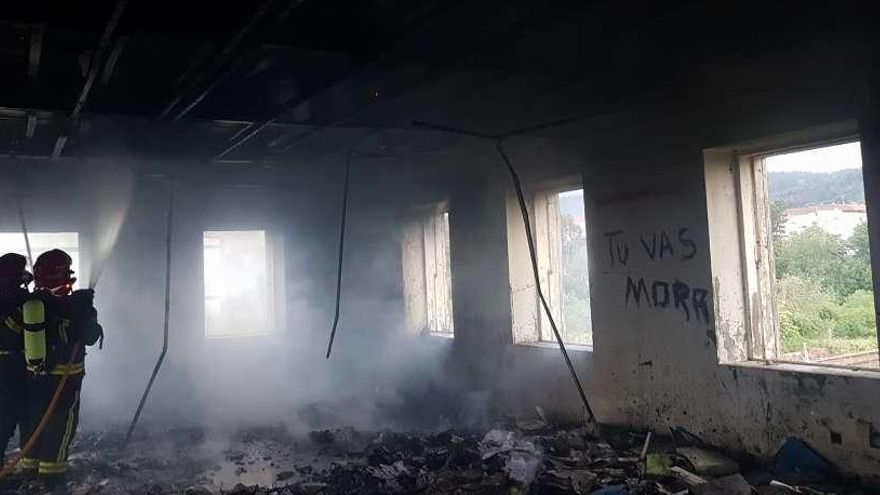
83,302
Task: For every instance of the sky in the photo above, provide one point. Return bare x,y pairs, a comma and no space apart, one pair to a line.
826,159
572,202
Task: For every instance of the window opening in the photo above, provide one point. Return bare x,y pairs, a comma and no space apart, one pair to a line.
427,268
824,297
238,287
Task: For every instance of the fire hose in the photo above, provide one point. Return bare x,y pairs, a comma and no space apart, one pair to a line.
53,404
56,396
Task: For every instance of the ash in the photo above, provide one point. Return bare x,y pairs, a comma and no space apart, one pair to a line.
517,457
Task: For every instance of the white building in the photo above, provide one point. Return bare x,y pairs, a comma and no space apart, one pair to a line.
839,219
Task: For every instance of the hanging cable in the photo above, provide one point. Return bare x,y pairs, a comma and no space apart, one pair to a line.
517,185
168,229
499,139
342,220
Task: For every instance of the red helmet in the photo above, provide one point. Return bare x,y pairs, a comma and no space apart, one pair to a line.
12,271
52,272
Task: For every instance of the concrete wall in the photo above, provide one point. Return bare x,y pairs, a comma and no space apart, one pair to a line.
283,377
375,371
655,367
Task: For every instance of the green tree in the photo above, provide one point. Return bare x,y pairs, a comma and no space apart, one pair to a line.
575,276
859,243
824,258
804,310
576,317
575,281
777,219
857,269
856,316
824,291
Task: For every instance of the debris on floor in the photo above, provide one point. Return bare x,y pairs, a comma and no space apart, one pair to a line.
518,458
708,462
733,484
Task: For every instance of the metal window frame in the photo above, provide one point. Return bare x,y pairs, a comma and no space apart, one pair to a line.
757,256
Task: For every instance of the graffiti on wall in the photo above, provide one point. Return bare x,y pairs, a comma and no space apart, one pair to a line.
657,247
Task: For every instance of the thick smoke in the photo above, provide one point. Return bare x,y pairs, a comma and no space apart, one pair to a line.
377,377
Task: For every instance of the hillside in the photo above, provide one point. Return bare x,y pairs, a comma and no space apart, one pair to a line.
796,189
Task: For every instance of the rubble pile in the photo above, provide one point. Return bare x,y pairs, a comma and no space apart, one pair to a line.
516,458
499,461
568,461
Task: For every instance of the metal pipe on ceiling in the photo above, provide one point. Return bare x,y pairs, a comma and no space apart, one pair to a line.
217,70
98,59
424,78
294,102
94,68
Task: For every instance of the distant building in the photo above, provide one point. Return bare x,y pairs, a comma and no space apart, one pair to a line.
839,219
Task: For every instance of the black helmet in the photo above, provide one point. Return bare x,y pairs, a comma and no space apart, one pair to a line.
13,273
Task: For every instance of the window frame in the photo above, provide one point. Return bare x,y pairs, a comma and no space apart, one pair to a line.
419,259
737,186
274,259
754,220
529,319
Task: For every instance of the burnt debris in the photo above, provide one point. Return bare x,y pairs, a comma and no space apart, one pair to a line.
532,457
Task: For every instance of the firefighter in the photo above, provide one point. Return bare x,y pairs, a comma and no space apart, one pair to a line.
14,279
58,324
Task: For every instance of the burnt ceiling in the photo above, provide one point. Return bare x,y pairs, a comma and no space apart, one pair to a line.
259,80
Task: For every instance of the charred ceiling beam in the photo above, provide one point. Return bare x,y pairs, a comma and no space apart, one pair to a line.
113,58
43,114
367,66
295,125
406,78
22,113
36,51
31,127
253,130
406,73
97,59
204,81
94,68
35,54
479,58
60,143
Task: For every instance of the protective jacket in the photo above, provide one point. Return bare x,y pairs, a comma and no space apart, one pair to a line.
57,328
12,367
11,327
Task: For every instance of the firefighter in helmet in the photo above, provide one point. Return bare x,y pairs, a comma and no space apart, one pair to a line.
14,279
58,323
